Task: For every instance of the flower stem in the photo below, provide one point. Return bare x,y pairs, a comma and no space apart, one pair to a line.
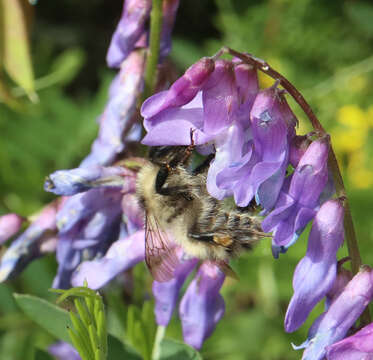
154,44
350,234
156,353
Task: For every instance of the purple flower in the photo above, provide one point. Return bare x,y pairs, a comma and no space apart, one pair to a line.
118,123
166,293
261,170
70,182
129,30
10,224
121,256
249,131
297,205
38,239
132,33
63,351
334,324
202,306
180,93
316,272
88,224
356,347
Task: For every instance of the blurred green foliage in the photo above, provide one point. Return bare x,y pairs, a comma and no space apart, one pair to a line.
324,48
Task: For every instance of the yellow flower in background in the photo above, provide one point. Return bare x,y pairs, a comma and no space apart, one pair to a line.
352,130
359,173
349,139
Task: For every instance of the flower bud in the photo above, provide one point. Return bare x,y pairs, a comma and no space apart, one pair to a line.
129,30
10,224
182,90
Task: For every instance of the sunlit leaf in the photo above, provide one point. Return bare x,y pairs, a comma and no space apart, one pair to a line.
16,50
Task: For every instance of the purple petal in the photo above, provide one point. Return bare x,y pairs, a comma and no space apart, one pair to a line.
118,122
70,182
220,98
298,147
228,147
167,293
63,351
174,133
343,278
128,31
182,91
202,306
121,256
247,84
10,224
92,218
341,315
169,13
356,347
29,245
316,272
311,174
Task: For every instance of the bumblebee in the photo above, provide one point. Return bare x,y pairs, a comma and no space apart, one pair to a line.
180,211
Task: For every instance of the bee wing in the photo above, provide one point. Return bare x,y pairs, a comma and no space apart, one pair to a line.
160,251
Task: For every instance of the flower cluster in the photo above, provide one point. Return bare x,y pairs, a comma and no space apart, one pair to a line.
257,155
97,227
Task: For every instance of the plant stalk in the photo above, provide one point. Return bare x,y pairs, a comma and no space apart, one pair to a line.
154,45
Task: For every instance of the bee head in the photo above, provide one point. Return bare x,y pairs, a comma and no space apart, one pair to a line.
161,155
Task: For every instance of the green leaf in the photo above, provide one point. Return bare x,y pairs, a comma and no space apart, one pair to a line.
42,355
16,52
117,350
50,317
67,65
175,350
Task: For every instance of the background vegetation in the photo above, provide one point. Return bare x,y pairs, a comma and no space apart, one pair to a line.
324,47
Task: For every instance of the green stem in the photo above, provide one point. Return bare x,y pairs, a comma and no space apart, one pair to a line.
154,44
156,353
350,235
